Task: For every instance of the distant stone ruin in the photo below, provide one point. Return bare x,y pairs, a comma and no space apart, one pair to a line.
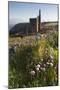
33,27
35,23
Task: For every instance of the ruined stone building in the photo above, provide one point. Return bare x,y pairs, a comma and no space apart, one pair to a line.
33,26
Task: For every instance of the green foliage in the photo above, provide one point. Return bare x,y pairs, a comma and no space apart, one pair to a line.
28,57
52,39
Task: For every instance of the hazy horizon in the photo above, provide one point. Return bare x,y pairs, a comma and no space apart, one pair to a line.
21,12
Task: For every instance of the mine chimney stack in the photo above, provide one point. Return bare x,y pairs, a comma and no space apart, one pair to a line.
39,20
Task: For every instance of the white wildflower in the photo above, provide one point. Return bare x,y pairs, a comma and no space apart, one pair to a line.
42,35
47,63
51,64
15,48
32,72
43,69
44,65
38,65
55,67
37,69
46,52
42,59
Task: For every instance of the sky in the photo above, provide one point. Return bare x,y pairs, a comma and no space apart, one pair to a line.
21,12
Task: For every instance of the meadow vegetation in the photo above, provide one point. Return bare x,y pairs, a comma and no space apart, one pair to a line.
34,63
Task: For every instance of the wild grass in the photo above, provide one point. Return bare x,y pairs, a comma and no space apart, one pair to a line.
35,62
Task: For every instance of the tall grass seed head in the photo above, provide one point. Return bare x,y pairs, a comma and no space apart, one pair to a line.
46,49
51,49
52,61
51,57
